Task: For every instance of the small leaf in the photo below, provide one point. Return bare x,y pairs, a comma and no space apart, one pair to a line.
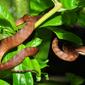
36,67
34,42
21,47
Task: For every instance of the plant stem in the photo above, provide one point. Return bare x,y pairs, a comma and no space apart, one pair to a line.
57,7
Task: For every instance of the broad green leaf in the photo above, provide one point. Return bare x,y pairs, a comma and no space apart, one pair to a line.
6,4
65,35
24,78
37,6
69,4
7,17
34,42
69,17
26,65
42,55
7,23
82,3
74,79
2,82
20,8
36,67
53,21
4,74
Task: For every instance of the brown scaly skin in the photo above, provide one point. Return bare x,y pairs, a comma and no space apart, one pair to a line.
19,37
16,60
67,55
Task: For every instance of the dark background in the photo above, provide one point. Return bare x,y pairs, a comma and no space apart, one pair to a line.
60,68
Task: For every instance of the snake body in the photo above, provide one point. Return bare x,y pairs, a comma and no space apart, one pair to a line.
15,40
66,55
16,60
22,35
18,38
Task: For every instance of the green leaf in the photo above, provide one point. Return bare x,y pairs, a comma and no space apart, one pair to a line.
21,47
65,35
9,55
7,17
36,67
69,17
34,42
81,3
37,6
25,78
2,82
21,7
54,21
43,63
42,55
81,18
6,4
69,4
74,79
22,79
7,23
26,65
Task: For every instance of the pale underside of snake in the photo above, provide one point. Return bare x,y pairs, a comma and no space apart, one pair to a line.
67,54
15,40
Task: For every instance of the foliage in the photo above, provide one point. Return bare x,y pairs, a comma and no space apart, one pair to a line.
69,14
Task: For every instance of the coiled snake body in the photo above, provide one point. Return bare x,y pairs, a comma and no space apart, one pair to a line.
22,35
15,40
67,54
